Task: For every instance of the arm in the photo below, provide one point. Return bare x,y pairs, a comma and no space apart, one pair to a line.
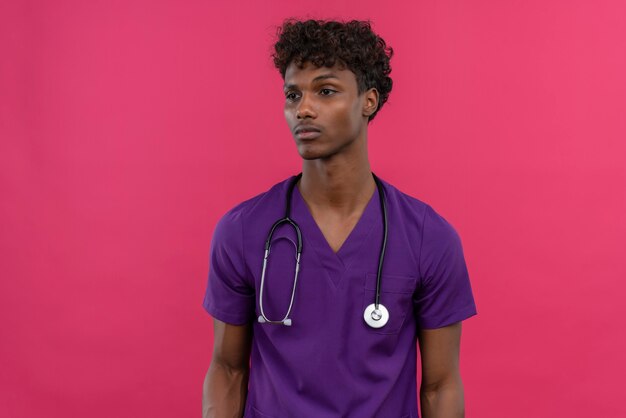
226,382
441,391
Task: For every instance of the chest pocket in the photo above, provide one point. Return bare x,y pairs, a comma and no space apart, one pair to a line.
396,294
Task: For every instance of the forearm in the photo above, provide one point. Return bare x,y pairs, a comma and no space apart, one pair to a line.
224,392
443,401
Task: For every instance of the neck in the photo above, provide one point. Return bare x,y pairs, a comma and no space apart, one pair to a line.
341,186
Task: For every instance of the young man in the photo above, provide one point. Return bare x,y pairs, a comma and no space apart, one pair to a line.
319,315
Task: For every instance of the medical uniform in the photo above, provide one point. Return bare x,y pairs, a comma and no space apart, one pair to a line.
329,363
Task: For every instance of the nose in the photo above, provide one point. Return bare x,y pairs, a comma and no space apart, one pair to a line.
305,108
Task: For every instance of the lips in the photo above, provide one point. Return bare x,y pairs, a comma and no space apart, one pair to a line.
302,129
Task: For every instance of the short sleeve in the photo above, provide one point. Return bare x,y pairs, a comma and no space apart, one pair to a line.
229,296
445,294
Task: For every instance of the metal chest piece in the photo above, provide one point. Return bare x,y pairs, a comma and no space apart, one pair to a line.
376,318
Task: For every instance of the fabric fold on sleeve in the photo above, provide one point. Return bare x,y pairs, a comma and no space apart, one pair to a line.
444,295
229,295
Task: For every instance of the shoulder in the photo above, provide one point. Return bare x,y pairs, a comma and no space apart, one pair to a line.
408,208
251,208
404,200
420,220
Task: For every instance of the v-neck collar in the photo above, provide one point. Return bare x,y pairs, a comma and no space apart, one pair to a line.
335,264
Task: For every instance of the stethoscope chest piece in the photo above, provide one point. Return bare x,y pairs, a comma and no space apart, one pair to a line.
376,318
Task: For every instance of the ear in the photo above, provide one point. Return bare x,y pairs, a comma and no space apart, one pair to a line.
371,102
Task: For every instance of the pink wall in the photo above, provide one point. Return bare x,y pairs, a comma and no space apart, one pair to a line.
128,128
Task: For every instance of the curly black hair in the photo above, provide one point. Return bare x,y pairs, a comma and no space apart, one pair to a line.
352,44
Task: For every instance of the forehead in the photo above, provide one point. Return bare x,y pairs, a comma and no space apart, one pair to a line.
309,73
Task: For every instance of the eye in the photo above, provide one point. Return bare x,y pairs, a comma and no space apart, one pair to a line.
290,96
329,91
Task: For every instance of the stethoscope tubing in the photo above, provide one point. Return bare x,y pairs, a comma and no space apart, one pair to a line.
268,245
383,247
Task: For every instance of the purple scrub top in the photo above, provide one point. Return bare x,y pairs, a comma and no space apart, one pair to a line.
329,363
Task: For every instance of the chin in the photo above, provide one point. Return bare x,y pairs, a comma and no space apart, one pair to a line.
309,154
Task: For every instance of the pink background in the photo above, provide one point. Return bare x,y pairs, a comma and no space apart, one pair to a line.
128,128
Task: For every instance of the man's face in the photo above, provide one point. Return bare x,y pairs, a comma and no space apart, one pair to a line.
326,99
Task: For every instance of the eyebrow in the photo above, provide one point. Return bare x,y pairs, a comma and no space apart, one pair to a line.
319,77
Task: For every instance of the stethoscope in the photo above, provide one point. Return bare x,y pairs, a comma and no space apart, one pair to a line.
375,315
